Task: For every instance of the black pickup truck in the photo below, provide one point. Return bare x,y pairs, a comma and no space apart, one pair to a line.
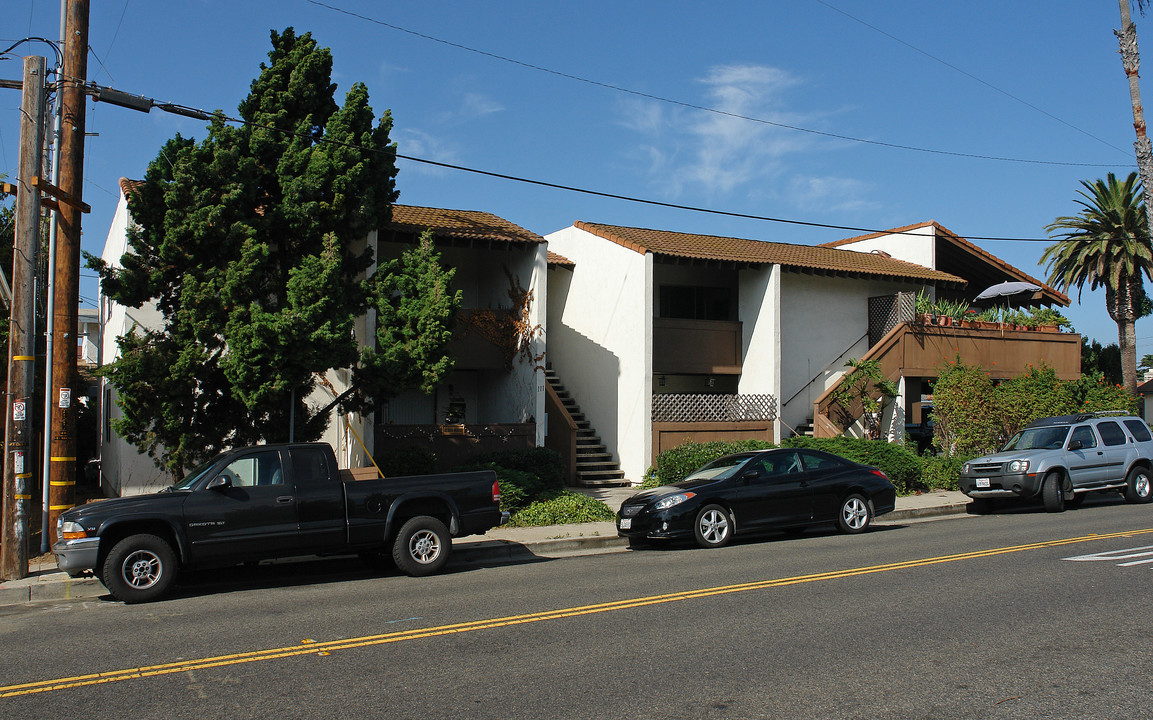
270,501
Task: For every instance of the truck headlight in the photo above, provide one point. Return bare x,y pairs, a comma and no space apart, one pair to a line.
965,469
70,531
1018,466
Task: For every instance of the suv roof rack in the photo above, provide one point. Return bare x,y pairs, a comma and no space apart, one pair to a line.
1076,418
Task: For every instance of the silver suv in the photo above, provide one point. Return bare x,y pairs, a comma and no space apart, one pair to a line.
1062,458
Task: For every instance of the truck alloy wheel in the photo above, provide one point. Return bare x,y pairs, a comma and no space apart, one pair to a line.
139,568
422,546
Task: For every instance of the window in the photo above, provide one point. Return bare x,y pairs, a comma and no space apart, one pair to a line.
1139,429
1085,434
309,466
1111,433
784,463
261,468
813,461
689,302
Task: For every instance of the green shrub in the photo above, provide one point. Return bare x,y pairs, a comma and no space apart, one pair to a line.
674,464
406,461
562,508
898,462
941,472
546,465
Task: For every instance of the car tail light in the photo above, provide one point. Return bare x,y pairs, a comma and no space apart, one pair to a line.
496,491
879,474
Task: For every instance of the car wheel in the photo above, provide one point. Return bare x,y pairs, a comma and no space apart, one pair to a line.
713,527
139,568
855,514
1138,486
422,546
1052,495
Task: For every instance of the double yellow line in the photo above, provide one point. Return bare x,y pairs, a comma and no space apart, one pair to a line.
309,647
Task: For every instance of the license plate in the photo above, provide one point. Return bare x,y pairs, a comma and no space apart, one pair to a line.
982,482
626,523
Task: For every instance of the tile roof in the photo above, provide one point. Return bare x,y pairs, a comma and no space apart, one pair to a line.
558,260
461,224
944,233
756,252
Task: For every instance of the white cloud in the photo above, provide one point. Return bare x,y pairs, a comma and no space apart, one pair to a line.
476,105
420,144
829,193
713,153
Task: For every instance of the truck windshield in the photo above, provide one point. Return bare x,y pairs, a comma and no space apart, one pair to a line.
1043,438
191,478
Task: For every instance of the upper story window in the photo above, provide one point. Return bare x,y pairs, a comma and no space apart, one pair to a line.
693,302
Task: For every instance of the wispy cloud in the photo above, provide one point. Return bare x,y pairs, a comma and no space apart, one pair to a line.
418,143
829,194
693,151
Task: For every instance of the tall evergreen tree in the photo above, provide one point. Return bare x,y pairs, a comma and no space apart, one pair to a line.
250,243
1107,245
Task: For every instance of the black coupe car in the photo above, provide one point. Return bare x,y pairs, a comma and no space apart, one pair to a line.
763,490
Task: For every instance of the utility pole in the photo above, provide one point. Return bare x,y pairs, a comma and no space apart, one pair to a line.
66,289
18,458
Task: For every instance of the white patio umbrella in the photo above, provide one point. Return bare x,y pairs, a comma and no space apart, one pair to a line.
1010,292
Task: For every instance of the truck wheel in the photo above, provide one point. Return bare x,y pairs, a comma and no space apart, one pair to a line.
1138,486
139,568
422,546
1051,493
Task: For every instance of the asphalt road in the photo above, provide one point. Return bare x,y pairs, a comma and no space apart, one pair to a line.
979,617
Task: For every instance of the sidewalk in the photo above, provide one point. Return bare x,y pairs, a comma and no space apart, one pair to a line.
45,582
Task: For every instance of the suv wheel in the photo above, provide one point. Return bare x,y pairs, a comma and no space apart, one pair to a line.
1052,495
1138,486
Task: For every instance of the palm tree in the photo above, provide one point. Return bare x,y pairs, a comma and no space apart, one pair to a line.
1107,245
1131,61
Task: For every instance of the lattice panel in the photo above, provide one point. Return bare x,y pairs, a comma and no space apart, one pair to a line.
888,311
685,407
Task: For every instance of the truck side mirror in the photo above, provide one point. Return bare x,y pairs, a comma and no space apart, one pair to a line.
222,482
1075,445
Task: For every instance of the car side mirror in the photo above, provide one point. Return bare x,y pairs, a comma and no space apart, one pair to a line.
1075,445
222,482
749,475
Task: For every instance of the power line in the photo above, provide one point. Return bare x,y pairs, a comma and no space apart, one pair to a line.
971,76
702,108
143,104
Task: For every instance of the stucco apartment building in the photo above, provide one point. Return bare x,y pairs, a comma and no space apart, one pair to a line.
663,336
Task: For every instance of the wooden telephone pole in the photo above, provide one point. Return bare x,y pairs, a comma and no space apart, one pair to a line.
19,460
66,288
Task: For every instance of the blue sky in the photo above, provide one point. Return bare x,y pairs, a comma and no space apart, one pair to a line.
527,96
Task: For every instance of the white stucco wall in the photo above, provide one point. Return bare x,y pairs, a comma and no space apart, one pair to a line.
600,342
123,469
760,302
916,246
824,322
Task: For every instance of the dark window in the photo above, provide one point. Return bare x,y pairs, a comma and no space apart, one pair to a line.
814,461
689,302
782,463
309,466
1085,435
1139,429
1111,433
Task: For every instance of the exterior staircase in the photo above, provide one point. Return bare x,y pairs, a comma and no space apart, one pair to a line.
595,466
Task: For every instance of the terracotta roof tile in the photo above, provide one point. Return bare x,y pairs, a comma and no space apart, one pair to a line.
127,187
558,260
945,233
464,224
757,252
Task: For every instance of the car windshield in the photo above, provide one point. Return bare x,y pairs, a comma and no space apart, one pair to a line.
1042,438
718,469
191,478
